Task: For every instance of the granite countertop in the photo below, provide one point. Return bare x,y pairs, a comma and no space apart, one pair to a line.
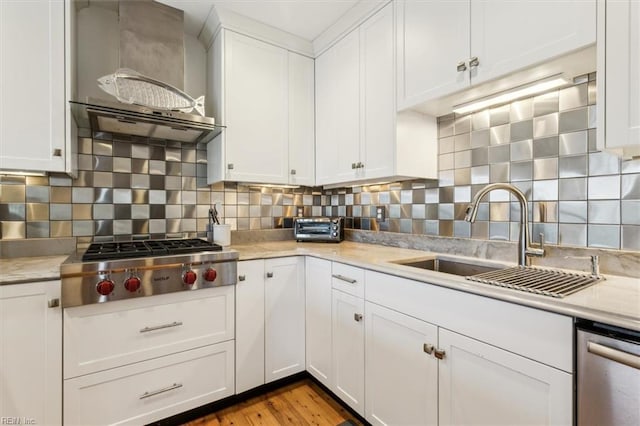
29,269
615,301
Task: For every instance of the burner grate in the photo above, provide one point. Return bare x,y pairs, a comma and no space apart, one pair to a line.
131,249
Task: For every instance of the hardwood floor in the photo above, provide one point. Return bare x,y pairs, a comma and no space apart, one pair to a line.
300,403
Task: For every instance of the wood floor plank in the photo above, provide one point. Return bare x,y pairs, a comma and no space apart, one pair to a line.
299,403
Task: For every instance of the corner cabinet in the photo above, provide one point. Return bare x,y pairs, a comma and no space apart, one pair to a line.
318,318
264,96
618,71
485,40
36,131
359,137
31,353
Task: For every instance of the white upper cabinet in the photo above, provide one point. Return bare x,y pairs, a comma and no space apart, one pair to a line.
33,86
444,47
301,120
359,137
433,40
618,82
263,94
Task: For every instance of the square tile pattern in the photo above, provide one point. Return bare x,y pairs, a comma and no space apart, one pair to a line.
544,145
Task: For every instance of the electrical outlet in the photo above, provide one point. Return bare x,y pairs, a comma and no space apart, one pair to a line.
300,211
380,214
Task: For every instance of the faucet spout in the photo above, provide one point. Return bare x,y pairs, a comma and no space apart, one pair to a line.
524,243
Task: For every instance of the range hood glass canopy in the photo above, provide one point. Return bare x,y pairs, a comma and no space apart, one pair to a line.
143,122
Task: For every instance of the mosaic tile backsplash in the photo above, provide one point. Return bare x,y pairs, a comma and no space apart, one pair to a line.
544,145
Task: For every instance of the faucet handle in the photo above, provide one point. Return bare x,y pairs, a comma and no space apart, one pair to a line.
595,263
541,235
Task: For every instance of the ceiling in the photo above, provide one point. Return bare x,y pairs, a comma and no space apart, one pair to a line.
304,18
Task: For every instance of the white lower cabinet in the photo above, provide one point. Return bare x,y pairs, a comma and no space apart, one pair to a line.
347,328
484,385
151,390
31,354
250,325
270,323
284,317
401,373
318,319
503,364
174,352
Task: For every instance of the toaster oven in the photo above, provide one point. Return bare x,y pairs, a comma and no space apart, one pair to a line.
329,229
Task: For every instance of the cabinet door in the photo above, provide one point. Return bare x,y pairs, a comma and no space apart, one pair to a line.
250,325
284,317
338,111
347,329
433,37
482,384
402,377
31,353
318,315
378,89
507,36
256,110
32,85
301,120
618,70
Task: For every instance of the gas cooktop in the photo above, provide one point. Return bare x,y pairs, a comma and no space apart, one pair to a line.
131,249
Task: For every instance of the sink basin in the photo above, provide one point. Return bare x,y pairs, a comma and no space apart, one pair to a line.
449,266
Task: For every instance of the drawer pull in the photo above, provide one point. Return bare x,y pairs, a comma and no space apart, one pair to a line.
269,274
427,348
241,277
343,278
357,317
159,391
439,353
161,327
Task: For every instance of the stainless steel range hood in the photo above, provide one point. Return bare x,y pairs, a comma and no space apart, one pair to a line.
152,43
142,122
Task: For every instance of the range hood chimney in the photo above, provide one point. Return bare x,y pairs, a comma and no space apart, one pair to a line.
152,40
151,43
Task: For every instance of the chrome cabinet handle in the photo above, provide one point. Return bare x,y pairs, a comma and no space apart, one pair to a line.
427,348
461,66
360,165
57,152
269,274
439,353
357,317
293,171
159,391
474,62
343,278
354,165
161,327
230,166
53,303
241,277
616,355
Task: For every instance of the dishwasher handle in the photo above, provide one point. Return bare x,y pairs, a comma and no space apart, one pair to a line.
616,355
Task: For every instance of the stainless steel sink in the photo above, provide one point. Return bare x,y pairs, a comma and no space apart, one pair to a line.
529,279
449,266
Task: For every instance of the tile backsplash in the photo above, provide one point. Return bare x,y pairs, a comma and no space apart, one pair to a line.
544,145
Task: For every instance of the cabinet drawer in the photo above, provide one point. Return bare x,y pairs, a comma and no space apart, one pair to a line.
151,390
542,336
349,279
145,328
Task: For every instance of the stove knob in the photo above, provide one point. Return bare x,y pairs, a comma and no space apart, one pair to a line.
189,277
210,275
132,283
105,287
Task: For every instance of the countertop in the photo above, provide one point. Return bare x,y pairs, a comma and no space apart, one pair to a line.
29,269
614,301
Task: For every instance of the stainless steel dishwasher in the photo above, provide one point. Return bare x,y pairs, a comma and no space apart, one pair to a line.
608,380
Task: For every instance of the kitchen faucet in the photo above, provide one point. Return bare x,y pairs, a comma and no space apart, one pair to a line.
524,244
